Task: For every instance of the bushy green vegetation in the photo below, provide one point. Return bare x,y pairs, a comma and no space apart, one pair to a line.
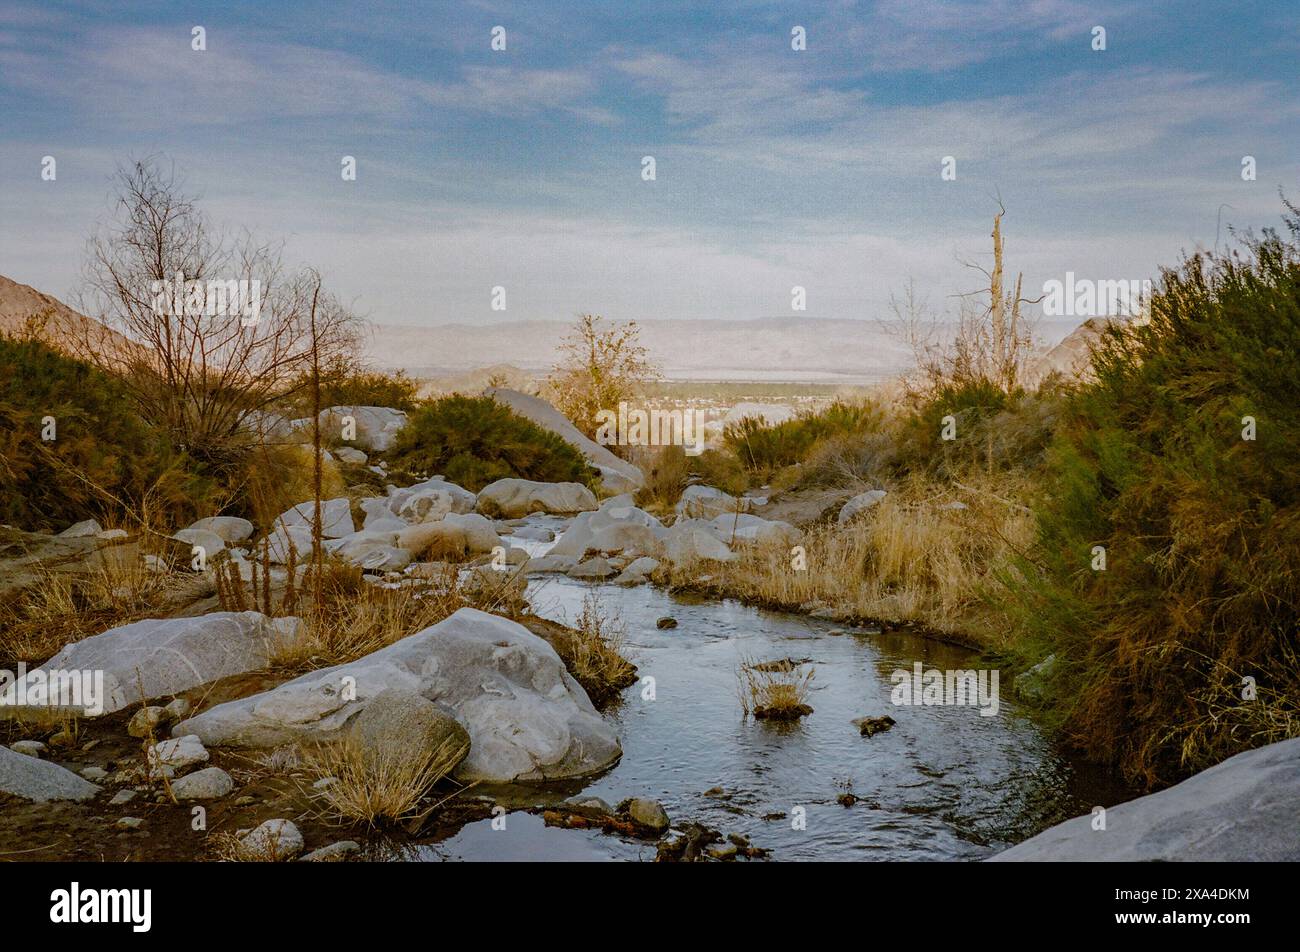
1200,526
103,458
346,382
473,441
763,449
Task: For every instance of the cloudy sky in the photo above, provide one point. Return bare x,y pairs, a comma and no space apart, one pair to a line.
774,167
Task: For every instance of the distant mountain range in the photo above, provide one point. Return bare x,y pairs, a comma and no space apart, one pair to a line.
765,349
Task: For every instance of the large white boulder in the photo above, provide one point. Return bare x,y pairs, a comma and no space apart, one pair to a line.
616,531
1245,809
706,502
376,427
619,474
859,504
690,540
453,535
527,718
335,517
229,528
429,500
744,529
160,657
513,498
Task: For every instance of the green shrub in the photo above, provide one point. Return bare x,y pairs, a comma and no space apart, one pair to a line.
345,382
103,458
763,449
475,440
1201,527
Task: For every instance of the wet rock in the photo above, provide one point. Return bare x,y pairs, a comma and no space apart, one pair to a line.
595,568
122,797
666,622
534,533
648,815
94,774
638,571
130,823
588,806
1035,684
723,851
871,726
551,563
274,840
32,748
206,784
39,780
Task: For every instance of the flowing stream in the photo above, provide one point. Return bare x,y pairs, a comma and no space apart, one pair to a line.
946,783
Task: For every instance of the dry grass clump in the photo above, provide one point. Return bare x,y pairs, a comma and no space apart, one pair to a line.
775,690
378,788
353,617
593,651
667,470
905,559
63,608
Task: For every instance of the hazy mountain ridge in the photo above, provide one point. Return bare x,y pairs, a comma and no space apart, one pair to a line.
765,348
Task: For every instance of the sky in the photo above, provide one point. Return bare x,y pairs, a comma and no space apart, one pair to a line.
774,167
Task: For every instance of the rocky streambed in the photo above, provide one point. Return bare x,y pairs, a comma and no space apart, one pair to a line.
943,782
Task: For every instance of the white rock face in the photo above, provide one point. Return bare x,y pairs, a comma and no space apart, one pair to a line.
526,717
372,551
690,540
335,517
274,839
549,418
39,780
860,503
206,784
617,528
229,528
1244,809
706,502
746,529
454,535
160,657
350,454
284,538
376,427
177,754
87,527
208,541
436,489
638,571
513,498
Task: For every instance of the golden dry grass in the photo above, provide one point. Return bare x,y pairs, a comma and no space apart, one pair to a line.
905,560
775,690
377,788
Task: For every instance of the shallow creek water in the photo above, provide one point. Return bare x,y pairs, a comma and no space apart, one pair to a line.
945,783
